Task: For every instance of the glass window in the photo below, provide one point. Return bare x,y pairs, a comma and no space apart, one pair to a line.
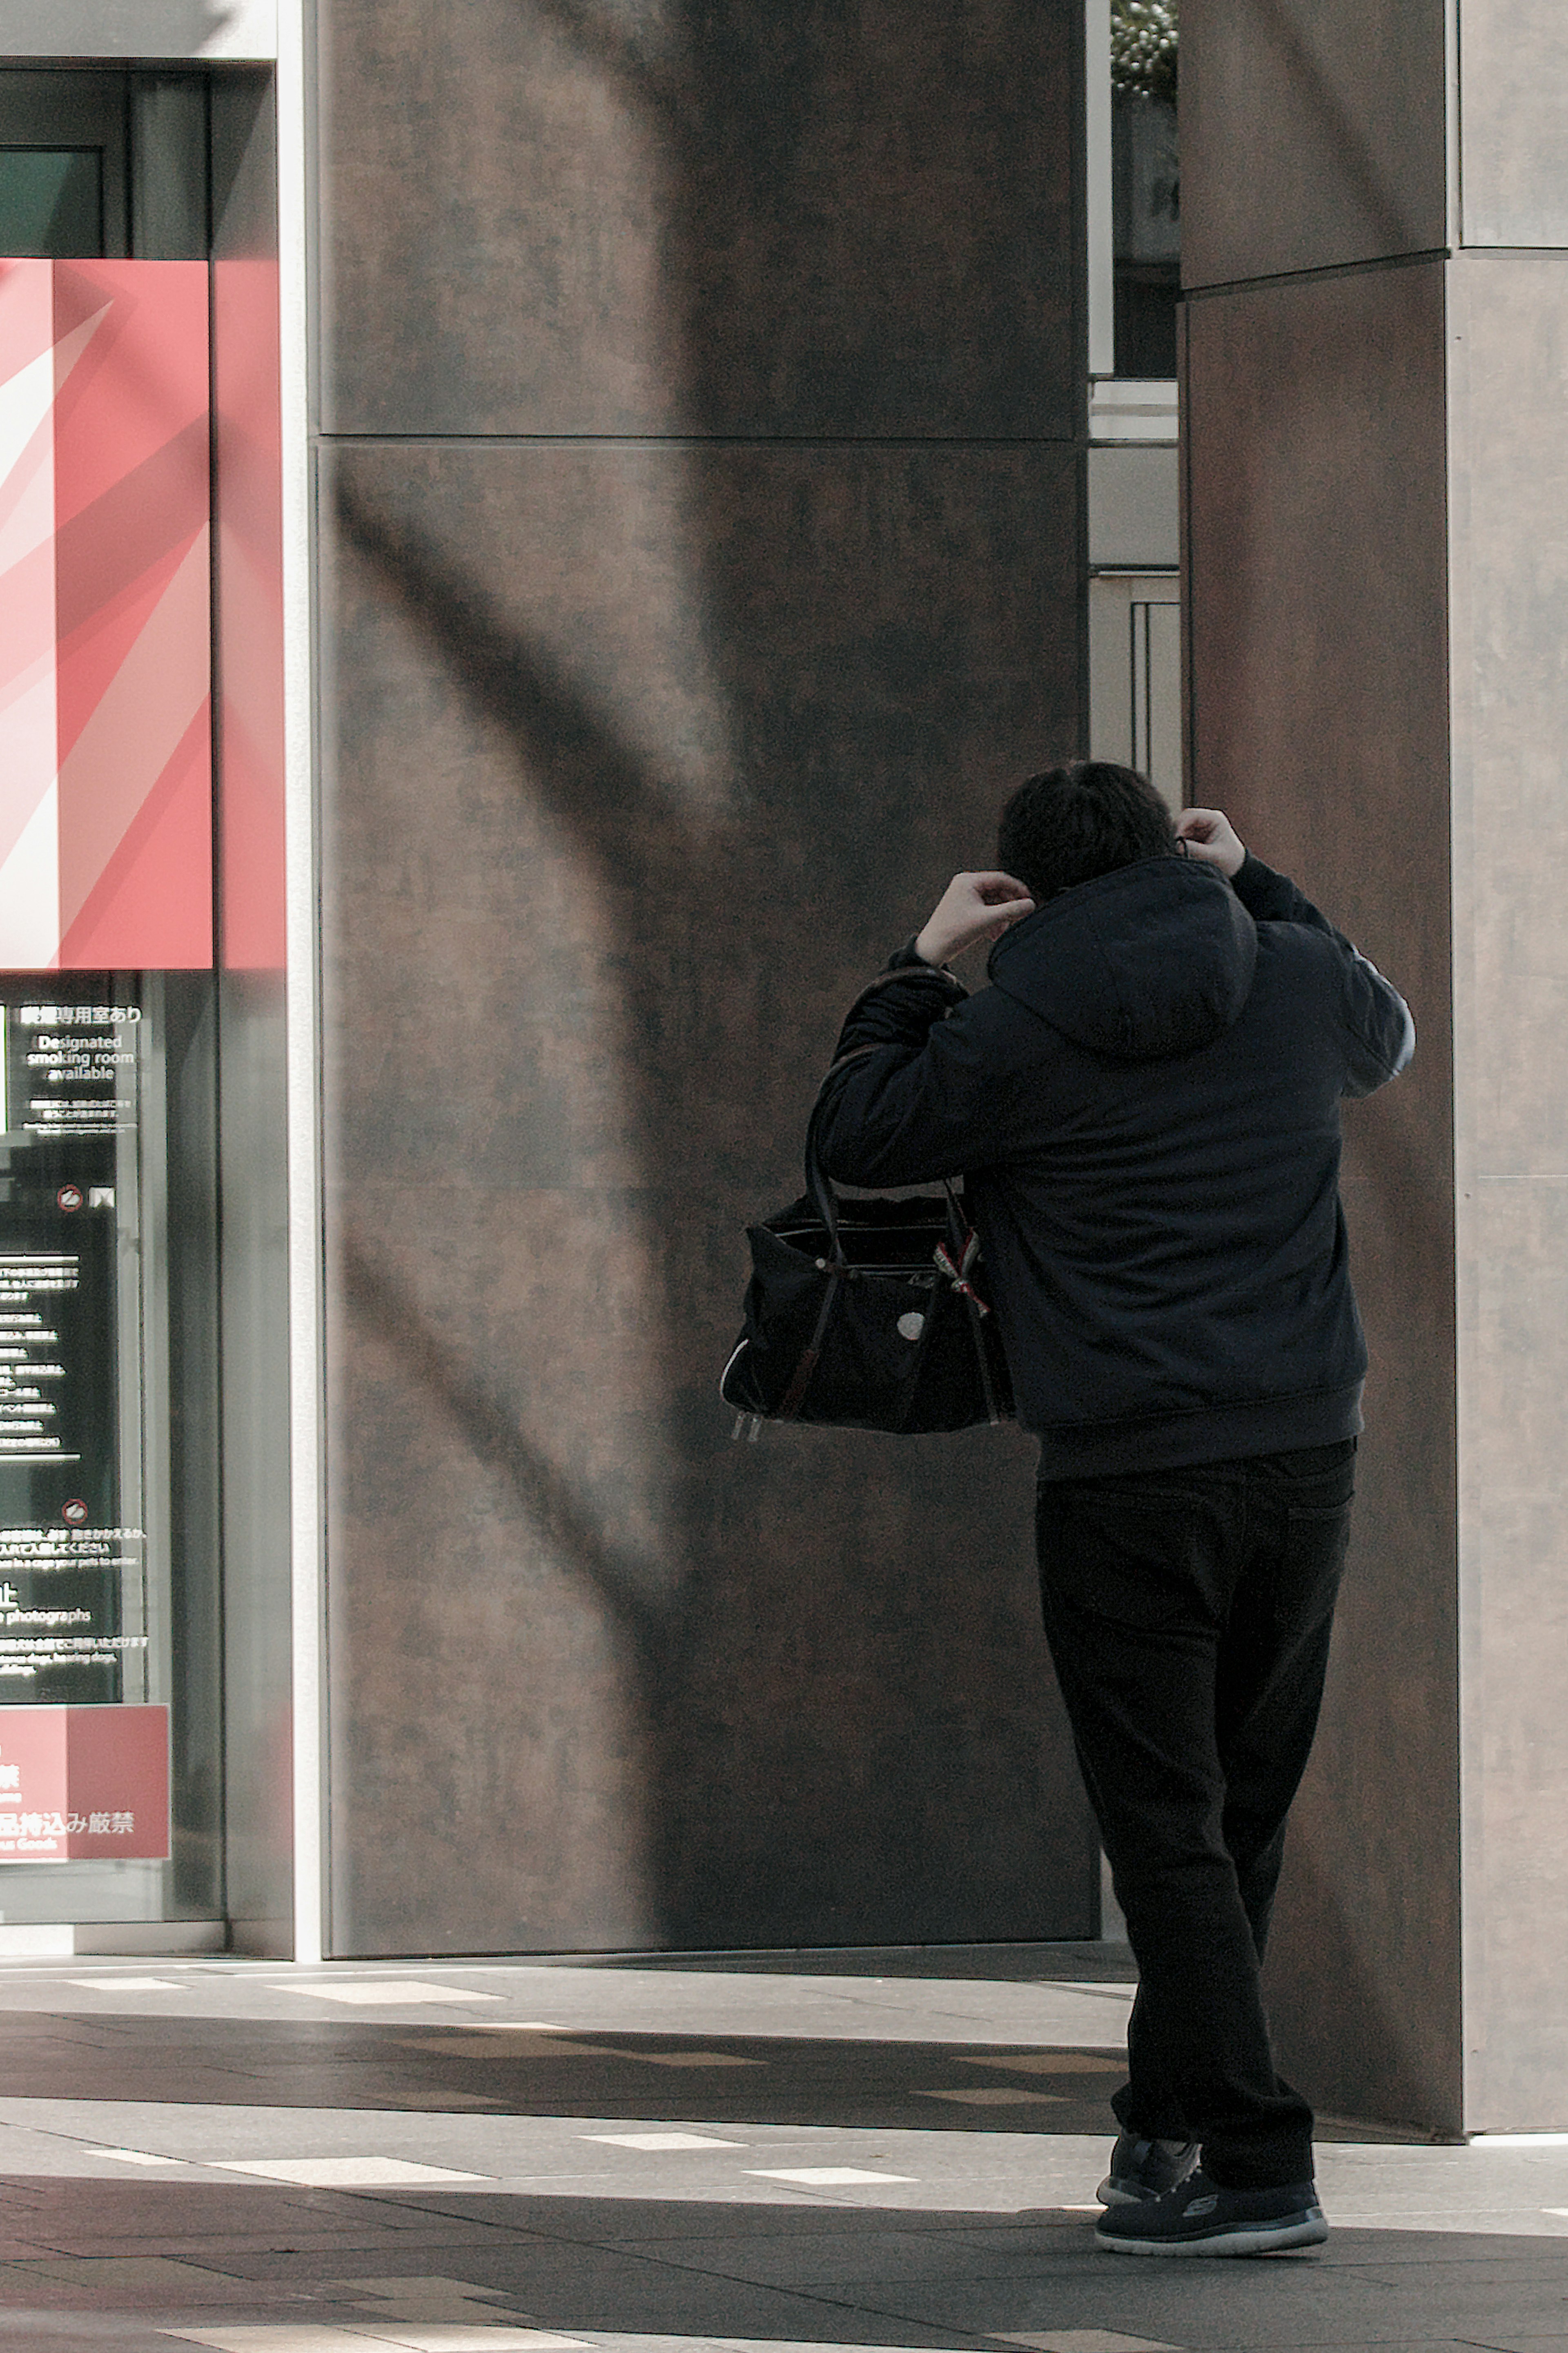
108,1440
1146,185
51,203
111,1596
1135,675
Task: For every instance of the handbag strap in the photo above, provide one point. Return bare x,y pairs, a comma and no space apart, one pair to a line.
822,1196
961,1238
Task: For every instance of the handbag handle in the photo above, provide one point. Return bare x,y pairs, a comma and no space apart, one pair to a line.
826,1202
823,1198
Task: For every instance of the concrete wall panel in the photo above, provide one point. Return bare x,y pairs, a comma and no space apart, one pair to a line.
1312,135
541,217
642,759
1509,361
1513,122
1317,627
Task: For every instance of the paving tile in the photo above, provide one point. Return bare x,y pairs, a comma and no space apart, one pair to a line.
343,2172
421,2295
823,2177
412,2240
135,2280
129,1985
1047,2063
54,2332
110,2275
1510,2344
838,2258
992,2095
324,2257
312,2338
397,1993
1087,2340
581,2297
639,2222
767,2234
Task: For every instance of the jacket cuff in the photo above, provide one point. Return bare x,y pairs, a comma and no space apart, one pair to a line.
1265,894
909,959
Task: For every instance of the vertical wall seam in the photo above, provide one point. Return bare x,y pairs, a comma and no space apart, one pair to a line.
1461,871
215,735
306,1273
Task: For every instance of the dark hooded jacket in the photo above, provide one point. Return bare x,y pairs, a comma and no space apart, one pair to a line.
1145,1107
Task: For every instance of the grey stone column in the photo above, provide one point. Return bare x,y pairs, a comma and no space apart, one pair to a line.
1376,511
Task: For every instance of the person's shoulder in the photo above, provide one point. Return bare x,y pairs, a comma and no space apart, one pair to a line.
995,1025
1298,980
1299,946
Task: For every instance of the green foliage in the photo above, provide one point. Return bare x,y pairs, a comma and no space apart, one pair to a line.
1143,38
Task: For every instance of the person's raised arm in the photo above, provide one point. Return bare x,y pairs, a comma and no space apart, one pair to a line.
1380,1031
911,1093
973,908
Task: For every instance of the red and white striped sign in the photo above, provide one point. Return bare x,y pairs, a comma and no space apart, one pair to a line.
105,616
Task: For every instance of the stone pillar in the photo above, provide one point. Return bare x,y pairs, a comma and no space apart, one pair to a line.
701,416
1375,487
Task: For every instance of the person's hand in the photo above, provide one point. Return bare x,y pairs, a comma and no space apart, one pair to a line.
1210,835
974,907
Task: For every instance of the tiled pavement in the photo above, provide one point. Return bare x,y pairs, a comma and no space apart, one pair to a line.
898,2152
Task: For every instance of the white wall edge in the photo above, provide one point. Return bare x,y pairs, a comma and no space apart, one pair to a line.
305,1266
1129,408
240,30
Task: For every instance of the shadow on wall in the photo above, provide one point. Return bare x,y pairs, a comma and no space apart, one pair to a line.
650,748
1314,86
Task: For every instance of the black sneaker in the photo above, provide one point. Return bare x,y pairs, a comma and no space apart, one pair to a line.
1199,2218
1145,2168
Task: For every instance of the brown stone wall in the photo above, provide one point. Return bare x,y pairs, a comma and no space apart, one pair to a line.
1319,715
701,511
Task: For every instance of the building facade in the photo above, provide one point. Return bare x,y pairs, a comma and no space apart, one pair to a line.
648,479
547,531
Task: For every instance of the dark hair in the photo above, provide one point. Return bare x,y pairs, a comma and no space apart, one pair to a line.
1075,822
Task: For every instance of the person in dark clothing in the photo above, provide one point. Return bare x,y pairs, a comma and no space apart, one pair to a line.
1145,1107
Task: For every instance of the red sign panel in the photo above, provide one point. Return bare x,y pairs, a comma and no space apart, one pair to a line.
84,1784
105,616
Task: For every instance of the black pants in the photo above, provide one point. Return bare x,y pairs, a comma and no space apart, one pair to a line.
1188,1614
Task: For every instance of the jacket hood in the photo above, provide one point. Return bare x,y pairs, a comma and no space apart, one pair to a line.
1149,961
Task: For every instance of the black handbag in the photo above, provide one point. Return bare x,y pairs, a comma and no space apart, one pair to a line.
867,1314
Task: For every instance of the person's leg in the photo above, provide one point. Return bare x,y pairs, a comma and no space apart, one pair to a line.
1275,1654
1137,1580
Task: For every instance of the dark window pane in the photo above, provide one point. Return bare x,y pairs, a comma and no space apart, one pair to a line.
51,203
1147,232
1146,299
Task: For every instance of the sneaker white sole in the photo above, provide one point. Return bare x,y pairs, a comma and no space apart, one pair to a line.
1308,2230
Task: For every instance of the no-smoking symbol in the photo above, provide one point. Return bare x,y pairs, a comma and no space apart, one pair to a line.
75,1510
69,1197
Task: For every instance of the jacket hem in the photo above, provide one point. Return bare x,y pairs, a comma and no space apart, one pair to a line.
1215,1434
